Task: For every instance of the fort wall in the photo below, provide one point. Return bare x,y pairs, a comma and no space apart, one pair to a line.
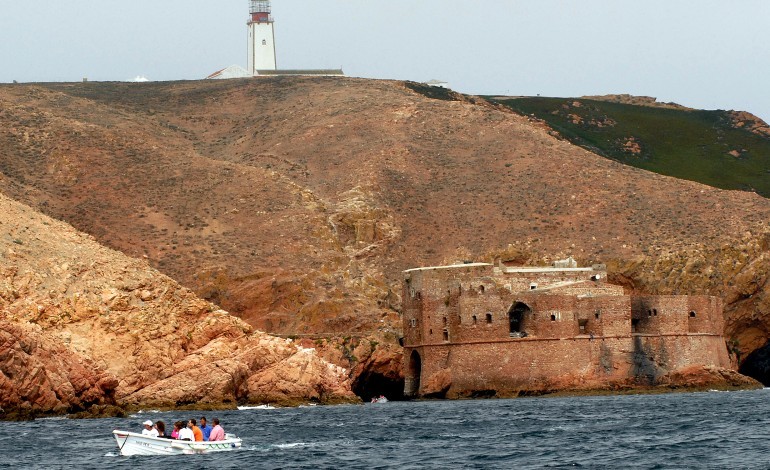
482,329
544,365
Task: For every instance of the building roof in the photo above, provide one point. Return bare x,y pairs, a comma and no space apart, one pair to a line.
233,71
317,72
452,266
546,270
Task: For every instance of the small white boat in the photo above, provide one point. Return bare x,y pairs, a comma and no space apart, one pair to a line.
380,399
132,443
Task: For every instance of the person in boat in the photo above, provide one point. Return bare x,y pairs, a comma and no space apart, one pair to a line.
149,430
196,431
217,433
205,428
161,427
177,426
186,432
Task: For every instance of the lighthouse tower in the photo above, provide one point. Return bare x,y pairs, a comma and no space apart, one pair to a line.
261,37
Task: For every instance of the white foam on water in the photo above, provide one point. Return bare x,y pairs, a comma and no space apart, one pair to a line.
111,454
144,411
291,445
258,407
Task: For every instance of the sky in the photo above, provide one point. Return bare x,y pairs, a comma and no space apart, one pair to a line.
701,53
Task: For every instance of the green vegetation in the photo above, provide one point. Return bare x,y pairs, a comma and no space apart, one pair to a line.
702,146
437,93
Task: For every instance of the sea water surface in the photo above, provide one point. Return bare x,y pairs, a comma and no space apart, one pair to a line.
682,430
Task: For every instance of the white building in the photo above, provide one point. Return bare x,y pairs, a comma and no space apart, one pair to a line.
261,48
233,71
438,83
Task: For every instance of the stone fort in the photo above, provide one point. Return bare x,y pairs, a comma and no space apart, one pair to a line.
481,329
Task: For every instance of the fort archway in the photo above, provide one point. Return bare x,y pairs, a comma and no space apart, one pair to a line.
412,379
517,318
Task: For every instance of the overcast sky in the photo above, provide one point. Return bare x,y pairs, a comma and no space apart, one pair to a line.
700,53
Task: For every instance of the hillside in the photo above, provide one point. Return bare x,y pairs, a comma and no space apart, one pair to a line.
84,328
724,149
295,203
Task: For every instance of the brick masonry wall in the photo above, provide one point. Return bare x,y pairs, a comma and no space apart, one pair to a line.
529,364
583,333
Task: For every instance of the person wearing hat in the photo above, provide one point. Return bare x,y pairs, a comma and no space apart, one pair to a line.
149,430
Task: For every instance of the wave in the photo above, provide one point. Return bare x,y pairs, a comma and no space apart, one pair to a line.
257,407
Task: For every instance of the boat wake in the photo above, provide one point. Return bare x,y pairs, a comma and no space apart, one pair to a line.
291,445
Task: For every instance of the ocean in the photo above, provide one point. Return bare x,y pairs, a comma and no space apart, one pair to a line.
678,430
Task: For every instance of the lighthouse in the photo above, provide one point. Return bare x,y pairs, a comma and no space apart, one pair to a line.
261,37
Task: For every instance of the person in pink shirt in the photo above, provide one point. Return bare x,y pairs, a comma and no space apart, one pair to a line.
217,433
175,432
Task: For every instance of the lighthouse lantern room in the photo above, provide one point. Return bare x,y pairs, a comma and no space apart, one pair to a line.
261,37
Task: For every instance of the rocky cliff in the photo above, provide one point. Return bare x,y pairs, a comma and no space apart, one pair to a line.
83,325
295,203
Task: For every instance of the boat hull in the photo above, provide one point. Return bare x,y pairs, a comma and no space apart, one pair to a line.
131,443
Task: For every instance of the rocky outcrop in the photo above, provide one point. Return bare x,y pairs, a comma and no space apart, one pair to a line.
624,98
38,374
702,377
83,325
750,122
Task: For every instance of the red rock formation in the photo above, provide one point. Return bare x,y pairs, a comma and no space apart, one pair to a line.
83,325
38,374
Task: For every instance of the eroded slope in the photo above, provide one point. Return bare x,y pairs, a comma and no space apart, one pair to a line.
83,325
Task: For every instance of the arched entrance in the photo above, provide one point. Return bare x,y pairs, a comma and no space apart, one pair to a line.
412,379
517,319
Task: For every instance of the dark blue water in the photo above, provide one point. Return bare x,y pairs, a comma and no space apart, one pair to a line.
693,430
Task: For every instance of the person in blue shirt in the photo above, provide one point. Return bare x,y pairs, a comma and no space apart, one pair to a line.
205,428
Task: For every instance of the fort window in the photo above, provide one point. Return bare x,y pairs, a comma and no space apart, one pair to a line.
634,324
516,317
474,319
413,322
582,325
596,315
431,331
446,336
655,312
649,313
692,314
553,317
489,318
533,286
481,289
